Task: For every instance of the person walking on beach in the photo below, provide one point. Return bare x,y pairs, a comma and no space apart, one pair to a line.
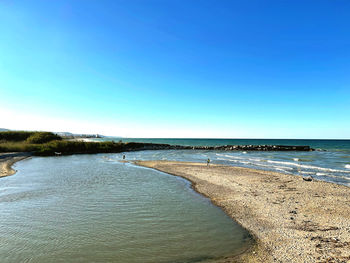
208,161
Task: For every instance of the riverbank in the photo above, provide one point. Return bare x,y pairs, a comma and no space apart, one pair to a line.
9,159
291,219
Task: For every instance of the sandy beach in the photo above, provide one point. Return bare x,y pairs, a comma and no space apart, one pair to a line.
7,160
291,220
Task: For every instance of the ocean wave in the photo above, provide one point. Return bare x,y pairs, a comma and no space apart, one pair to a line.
107,159
278,165
280,169
334,176
302,160
228,160
283,167
263,165
309,167
273,167
309,173
228,156
287,169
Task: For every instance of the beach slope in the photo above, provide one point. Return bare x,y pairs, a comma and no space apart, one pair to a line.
292,220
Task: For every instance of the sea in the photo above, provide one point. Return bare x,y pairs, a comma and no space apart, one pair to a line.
329,162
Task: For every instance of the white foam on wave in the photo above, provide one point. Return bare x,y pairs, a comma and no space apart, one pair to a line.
229,160
309,167
303,172
258,163
107,159
284,166
236,161
280,169
242,159
263,165
231,156
334,176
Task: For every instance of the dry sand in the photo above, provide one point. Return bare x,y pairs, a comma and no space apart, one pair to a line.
291,220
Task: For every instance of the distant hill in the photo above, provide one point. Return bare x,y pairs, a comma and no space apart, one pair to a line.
75,135
67,134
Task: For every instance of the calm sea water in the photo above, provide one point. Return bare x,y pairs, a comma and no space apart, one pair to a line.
92,208
331,161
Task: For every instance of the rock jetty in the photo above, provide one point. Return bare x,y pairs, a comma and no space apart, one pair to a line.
132,146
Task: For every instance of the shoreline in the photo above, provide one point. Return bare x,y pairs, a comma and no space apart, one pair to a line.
7,160
290,220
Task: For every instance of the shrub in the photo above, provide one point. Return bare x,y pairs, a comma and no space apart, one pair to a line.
42,137
17,147
15,136
73,147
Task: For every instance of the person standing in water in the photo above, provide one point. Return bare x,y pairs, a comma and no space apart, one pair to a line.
208,161
123,156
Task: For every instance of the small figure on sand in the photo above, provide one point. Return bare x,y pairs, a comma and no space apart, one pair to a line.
123,156
208,162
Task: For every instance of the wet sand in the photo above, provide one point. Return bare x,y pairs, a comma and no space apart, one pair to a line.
7,160
291,220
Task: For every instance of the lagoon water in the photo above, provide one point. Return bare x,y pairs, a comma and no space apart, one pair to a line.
92,208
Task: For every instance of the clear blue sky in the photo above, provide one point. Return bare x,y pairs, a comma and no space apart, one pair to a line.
180,68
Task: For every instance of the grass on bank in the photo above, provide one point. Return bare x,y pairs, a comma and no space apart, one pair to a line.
30,137
47,143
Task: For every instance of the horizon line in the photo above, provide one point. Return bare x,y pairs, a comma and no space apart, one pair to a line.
205,138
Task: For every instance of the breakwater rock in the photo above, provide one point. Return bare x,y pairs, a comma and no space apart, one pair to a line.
57,148
132,146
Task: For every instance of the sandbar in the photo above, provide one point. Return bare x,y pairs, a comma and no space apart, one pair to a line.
8,159
291,220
